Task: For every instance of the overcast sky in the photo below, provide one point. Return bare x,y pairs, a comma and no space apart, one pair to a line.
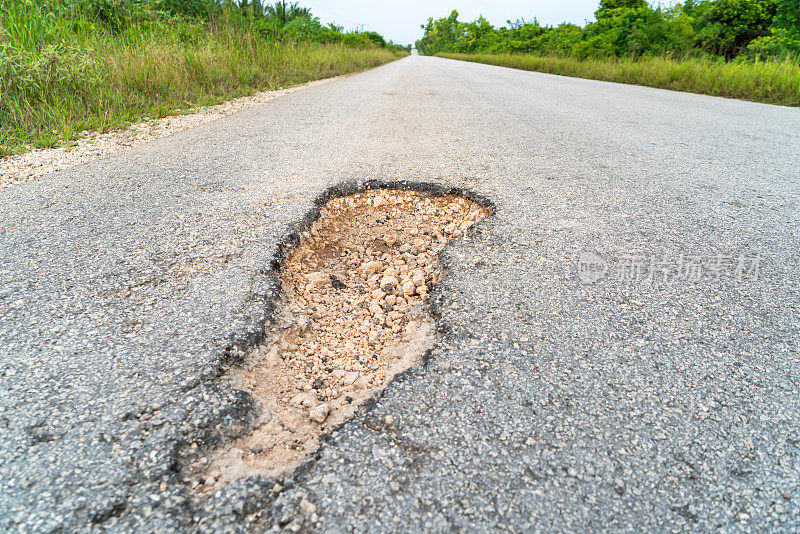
399,20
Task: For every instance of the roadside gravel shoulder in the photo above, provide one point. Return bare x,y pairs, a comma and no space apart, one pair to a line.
39,162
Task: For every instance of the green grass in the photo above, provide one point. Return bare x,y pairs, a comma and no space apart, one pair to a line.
773,82
59,77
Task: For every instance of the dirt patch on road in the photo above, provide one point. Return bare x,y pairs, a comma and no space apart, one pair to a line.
353,316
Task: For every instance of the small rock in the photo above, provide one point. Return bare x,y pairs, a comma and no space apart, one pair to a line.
336,283
378,294
307,507
305,399
317,279
371,267
320,413
387,284
350,378
409,288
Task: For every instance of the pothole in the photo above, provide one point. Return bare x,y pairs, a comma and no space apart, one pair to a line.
352,316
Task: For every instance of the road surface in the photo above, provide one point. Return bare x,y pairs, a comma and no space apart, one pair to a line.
619,346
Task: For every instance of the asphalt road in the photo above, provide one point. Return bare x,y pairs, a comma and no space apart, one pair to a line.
619,346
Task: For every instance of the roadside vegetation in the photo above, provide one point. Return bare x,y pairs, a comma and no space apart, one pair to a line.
72,65
775,82
748,49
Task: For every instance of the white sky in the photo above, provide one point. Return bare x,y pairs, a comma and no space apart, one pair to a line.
399,20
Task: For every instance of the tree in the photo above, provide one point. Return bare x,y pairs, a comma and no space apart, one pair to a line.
608,8
787,15
728,26
479,36
784,38
624,28
441,35
284,13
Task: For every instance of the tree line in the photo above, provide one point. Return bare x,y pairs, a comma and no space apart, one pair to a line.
276,21
633,28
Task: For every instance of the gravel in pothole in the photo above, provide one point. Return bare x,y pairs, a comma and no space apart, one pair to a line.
353,317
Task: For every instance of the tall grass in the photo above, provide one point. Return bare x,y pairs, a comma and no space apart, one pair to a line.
60,76
774,82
